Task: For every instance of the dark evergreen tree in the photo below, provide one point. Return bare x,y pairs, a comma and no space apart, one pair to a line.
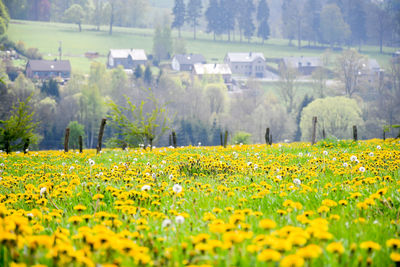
193,13
179,15
50,88
312,20
241,17
306,100
357,22
288,20
138,72
213,18
148,76
262,19
248,27
228,13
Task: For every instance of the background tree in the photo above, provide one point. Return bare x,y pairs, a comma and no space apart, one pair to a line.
148,76
18,128
333,28
179,15
75,14
162,42
287,86
262,19
311,28
4,18
226,16
336,115
350,66
214,18
248,13
194,13
50,88
134,126
288,20
357,22
380,22
75,130
99,13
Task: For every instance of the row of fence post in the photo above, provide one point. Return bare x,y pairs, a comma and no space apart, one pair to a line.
80,141
314,132
173,139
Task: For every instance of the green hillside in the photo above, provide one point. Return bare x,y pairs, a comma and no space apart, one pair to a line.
46,37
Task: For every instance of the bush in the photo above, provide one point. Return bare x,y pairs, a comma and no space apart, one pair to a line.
241,138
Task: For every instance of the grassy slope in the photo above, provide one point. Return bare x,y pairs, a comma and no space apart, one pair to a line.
46,37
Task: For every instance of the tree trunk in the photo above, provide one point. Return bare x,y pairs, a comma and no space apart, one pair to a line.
111,19
194,29
80,27
101,132
179,32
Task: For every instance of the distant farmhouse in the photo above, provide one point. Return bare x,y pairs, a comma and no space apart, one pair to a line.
304,65
214,69
371,71
182,62
247,64
127,58
47,69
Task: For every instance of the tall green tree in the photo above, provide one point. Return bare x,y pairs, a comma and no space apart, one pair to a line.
350,66
162,42
193,14
179,13
333,28
226,16
4,18
311,27
357,22
99,13
75,130
213,18
20,127
248,14
336,115
262,19
75,14
134,126
288,20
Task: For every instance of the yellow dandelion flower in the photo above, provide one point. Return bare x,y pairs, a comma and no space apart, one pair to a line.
267,224
335,247
269,255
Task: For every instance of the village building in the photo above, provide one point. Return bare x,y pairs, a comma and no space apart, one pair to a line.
247,64
186,62
127,58
304,65
214,69
48,69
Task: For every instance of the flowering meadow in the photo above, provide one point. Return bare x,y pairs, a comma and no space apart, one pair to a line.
331,204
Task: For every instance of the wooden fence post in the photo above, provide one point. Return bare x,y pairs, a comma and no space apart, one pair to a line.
355,136
226,138
174,139
384,135
66,140
220,137
267,136
26,145
101,132
314,130
80,144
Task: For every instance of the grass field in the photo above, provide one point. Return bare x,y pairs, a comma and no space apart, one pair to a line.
46,37
333,204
